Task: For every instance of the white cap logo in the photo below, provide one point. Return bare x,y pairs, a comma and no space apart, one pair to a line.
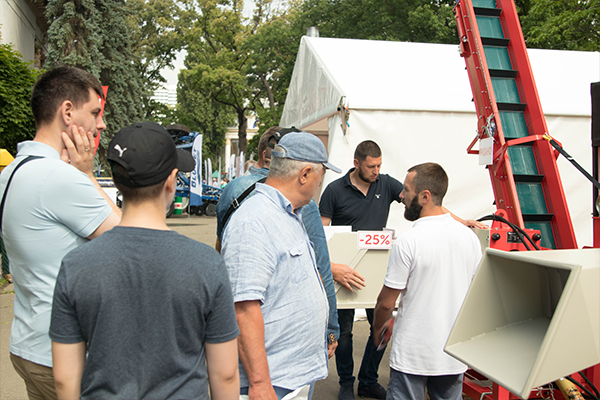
121,151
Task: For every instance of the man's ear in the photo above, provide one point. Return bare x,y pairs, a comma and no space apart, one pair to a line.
424,197
171,182
356,163
304,173
66,112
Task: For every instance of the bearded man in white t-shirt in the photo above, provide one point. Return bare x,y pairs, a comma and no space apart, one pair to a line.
431,267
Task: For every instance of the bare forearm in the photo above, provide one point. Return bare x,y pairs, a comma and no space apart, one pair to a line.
68,360
251,347
223,373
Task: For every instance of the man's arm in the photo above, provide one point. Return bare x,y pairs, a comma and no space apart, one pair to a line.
79,155
314,228
343,274
68,361
223,372
386,302
251,346
469,222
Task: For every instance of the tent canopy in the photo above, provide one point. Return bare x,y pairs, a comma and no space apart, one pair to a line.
385,75
415,101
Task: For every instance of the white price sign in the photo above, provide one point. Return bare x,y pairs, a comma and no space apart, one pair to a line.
381,240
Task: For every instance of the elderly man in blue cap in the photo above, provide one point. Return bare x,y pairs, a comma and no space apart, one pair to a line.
281,305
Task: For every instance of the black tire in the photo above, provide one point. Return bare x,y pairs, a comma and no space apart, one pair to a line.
171,209
197,210
211,210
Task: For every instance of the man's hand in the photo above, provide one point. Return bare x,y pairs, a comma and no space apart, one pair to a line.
263,391
331,348
475,224
78,151
346,276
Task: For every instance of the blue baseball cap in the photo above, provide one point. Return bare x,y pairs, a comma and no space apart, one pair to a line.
304,146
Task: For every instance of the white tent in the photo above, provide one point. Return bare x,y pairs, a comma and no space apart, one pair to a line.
415,101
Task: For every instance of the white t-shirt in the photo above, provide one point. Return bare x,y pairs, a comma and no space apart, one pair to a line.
433,264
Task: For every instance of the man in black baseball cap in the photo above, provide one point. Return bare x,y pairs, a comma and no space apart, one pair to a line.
146,154
146,337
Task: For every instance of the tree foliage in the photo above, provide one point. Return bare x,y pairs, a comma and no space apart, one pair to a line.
402,20
96,36
16,81
202,114
216,63
159,29
563,24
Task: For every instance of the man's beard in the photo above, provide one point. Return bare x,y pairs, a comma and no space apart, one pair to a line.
413,212
364,178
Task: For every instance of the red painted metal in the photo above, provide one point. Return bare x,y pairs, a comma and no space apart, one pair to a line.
503,184
564,234
501,174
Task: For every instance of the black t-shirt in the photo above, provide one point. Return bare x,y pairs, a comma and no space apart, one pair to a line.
347,205
145,301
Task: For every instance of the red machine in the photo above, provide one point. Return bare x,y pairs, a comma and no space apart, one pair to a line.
532,209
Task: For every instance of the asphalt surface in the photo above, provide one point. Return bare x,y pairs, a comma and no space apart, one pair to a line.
203,230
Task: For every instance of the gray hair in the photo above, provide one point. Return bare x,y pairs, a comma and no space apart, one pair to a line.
285,168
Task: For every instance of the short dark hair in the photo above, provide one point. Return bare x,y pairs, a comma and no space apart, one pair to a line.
137,194
264,141
365,149
432,177
60,84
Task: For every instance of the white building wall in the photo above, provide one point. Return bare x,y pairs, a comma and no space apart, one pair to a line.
19,27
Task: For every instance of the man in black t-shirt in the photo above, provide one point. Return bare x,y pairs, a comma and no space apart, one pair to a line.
361,199
146,338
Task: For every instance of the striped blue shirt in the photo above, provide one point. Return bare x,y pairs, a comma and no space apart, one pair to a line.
270,258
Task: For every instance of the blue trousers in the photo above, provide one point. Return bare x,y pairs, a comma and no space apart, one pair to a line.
412,387
367,375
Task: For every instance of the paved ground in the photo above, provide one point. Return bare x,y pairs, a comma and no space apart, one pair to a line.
202,229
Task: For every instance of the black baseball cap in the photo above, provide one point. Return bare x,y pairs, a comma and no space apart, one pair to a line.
273,140
147,152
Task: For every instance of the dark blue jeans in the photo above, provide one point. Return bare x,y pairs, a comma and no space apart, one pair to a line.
344,361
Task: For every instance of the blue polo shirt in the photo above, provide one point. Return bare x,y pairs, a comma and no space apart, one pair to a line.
347,205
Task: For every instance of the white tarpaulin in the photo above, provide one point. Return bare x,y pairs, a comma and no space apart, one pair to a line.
415,101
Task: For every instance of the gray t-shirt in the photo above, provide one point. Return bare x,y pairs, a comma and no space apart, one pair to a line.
145,301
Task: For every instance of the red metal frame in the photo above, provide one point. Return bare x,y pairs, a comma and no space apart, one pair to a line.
501,174
505,192
503,183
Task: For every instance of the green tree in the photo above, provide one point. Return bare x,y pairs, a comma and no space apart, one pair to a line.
159,29
563,24
272,50
203,114
16,82
216,64
403,20
96,36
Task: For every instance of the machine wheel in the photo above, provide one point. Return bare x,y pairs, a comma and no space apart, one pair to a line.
196,210
171,209
211,210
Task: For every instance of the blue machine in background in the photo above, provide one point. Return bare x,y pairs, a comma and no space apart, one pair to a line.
184,139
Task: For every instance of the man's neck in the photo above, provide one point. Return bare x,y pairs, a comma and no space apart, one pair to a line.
51,136
359,183
432,211
288,191
148,214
